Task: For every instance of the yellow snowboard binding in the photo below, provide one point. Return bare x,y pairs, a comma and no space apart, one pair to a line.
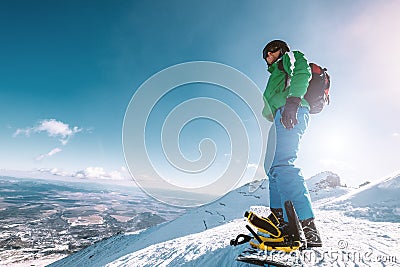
287,237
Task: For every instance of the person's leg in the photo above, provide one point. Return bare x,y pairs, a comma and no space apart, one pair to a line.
286,180
274,194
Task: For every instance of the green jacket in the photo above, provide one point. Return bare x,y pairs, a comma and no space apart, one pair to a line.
275,93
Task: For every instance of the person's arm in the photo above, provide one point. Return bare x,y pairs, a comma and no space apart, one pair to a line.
266,112
298,88
300,77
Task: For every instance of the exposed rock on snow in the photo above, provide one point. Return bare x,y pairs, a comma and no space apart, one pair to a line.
326,185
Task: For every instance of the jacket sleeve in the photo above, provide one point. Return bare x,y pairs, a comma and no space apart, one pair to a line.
300,77
266,112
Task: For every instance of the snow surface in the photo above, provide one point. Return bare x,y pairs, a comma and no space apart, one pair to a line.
378,201
201,236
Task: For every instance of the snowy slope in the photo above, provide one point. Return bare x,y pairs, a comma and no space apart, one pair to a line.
226,209
368,244
378,201
201,237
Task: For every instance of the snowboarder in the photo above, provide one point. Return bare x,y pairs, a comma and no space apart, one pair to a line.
285,105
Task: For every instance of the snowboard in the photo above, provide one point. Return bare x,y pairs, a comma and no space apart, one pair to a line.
262,258
268,257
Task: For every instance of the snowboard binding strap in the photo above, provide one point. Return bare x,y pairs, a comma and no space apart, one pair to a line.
264,225
288,237
240,239
281,243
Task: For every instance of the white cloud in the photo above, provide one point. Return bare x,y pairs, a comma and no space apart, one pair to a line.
95,172
56,171
53,128
91,173
396,135
27,132
47,155
116,175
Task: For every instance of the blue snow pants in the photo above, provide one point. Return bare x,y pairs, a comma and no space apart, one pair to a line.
286,181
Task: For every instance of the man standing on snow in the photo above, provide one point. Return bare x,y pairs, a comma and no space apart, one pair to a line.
286,107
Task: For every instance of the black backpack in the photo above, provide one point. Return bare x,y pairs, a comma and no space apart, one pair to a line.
317,94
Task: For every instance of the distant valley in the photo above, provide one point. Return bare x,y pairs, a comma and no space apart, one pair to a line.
42,219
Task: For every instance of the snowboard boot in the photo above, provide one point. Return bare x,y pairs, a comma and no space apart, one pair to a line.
311,233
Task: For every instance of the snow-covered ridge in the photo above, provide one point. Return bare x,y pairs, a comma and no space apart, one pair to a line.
378,201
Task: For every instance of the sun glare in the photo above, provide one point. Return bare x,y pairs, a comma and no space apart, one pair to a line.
336,143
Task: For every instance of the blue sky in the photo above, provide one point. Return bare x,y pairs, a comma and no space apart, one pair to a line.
78,63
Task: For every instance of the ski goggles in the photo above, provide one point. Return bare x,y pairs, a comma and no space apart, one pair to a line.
272,49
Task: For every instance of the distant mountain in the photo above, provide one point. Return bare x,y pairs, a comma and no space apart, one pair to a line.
326,185
324,180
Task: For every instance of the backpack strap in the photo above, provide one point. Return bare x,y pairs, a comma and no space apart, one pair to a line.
327,85
281,68
292,59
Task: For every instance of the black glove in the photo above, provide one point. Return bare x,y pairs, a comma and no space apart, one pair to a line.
289,114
